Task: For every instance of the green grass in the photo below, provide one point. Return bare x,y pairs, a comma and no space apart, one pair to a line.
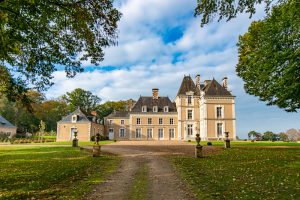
244,173
249,143
140,185
69,143
28,172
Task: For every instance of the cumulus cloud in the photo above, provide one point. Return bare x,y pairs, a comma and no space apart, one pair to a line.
144,60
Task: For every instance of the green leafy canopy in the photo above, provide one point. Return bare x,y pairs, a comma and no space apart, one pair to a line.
37,35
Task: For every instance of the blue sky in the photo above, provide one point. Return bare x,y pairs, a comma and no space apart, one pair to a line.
160,42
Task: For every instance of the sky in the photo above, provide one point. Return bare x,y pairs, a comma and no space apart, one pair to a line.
159,42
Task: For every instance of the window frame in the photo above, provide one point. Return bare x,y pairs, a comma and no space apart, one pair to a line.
160,119
190,129
155,109
166,108
138,132
171,120
144,108
120,133
190,111
173,133
149,120
138,121
160,131
149,131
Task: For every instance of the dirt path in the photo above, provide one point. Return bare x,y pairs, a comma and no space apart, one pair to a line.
163,180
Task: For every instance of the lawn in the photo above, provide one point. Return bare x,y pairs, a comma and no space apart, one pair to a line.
69,143
249,143
243,173
37,172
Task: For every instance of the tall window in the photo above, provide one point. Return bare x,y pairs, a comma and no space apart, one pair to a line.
138,120
149,133
190,129
219,112
160,133
171,133
149,120
122,132
219,129
155,109
144,109
171,121
190,114
122,121
189,100
138,133
160,121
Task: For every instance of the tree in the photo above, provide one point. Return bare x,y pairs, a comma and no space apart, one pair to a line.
269,57
269,52
108,107
293,134
283,136
269,136
254,134
83,99
36,36
42,128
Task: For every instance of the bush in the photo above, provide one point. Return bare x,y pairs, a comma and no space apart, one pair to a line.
189,140
93,138
209,144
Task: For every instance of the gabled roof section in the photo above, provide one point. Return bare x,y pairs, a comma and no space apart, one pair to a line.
81,117
161,102
119,114
187,85
213,88
5,124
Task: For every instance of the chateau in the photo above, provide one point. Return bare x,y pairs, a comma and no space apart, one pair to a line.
206,108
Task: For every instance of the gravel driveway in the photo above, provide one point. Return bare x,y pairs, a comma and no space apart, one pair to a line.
164,183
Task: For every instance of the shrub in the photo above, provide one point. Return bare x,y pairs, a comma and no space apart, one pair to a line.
209,144
93,138
115,140
189,140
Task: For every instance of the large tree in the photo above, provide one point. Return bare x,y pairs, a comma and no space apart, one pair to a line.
108,107
269,53
36,36
83,99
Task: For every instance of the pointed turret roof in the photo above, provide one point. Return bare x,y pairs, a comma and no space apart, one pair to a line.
187,85
213,88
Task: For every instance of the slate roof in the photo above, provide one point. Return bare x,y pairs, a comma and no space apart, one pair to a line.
187,85
5,124
81,117
213,88
123,114
150,102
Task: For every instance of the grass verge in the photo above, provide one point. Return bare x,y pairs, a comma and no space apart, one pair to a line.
140,185
50,172
249,143
243,173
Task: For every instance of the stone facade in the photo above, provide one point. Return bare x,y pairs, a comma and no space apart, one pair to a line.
86,127
206,108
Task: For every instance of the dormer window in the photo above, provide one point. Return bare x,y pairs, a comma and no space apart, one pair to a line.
144,109
155,108
74,118
166,109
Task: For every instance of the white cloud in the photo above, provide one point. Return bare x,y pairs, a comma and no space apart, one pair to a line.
145,61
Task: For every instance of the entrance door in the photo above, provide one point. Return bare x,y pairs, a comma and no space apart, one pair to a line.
111,134
72,133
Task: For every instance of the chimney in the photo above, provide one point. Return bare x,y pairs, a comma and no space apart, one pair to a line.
225,82
155,93
198,81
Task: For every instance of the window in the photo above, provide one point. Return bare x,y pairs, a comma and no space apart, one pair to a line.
122,121
155,109
74,118
138,133
166,109
190,114
149,120
160,133
110,121
122,132
171,133
189,100
149,133
111,130
144,109
190,129
138,120
171,121
219,112
219,129
160,121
